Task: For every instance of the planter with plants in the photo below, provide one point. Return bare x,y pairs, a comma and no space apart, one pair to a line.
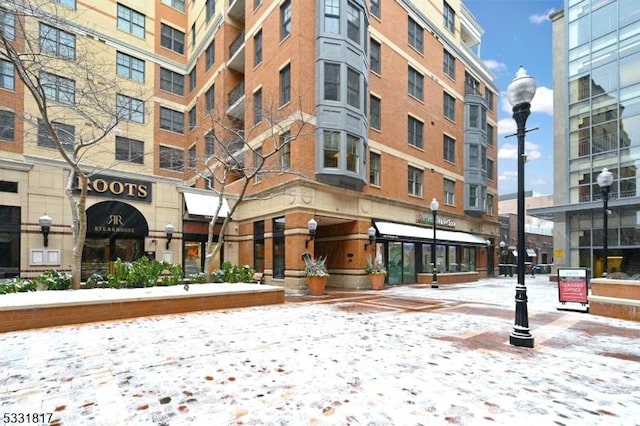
315,269
377,272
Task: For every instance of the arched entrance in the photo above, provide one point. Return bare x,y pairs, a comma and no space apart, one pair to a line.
115,230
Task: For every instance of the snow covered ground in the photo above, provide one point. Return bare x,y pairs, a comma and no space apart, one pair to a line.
401,356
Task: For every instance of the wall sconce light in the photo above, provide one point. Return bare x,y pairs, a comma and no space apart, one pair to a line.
371,232
45,225
168,229
312,225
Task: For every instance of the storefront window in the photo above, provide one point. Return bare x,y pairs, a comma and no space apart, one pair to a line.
258,246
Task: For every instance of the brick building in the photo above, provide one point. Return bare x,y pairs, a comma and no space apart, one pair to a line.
398,110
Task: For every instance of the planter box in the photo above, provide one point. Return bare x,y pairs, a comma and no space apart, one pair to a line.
449,277
615,298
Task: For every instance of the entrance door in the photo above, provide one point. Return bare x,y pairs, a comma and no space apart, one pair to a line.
402,263
99,254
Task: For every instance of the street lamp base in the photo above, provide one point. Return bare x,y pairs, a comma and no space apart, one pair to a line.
522,340
434,285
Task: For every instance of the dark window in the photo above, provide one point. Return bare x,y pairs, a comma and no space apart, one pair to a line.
209,144
192,79
489,96
258,246
375,58
490,134
490,167
8,24
278,247
171,81
210,98
332,82
192,157
285,150
449,106
7,125
449,149
416,81
192,118
375,8
172,38
285,85
257,106
374,169
210,55
130,150
415,132
58,88
7,75
449,192
332,16
285,19
414,181
353,88
416,37
130,109
171,120
449,17
171,158
375,112
210,7
257,48
353,23
66,134
449,64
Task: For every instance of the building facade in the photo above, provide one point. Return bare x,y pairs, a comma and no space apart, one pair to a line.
596,126
388,105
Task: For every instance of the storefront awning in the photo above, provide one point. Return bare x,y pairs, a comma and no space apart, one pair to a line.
205,205
390,229
531,253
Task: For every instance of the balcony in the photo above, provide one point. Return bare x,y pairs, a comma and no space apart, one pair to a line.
236,101
236,53
236,10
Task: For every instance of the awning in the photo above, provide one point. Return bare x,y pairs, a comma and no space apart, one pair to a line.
531,253
390,230
205,205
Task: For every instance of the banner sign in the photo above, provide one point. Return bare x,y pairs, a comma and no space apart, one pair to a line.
573,285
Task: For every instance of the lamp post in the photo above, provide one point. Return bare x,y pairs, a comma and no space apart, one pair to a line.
45,226
503,267
605,179
520,93
435,205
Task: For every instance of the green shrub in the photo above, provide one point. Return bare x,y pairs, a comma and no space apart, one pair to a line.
229,273
17,285
54,280
198,277
143,273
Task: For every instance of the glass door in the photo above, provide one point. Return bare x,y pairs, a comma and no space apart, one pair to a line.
402,265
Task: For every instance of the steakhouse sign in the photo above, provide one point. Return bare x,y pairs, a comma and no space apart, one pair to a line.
112,187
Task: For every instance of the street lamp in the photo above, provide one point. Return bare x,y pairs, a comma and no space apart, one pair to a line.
45,226
520,93
605,179
503,252
435,205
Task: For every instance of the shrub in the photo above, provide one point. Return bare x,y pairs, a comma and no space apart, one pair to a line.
143,273
230,273
17,285
198,277
54,280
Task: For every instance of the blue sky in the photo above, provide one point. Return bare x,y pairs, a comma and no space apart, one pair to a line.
518,32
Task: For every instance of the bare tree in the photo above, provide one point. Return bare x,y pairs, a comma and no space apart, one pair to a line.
242,154
74,89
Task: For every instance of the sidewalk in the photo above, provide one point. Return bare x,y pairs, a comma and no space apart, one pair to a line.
405,355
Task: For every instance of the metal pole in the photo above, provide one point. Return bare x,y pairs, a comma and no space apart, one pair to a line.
434,281
605,220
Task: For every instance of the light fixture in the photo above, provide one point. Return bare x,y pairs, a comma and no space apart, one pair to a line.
371,232
45,226
435,206
168,229
312,225
605,179
503,258
520,93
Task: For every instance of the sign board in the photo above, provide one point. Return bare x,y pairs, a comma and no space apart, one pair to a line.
573,285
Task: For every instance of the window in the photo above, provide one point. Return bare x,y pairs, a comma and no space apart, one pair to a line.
176,4
172,38
449,192
473,196
353,88
449,64
171,81
332,16
192,157
130,67
7,75
353,23
257,106
331,148
474,156
210,55
490,167
449,106
489,96
449,17
279,247
131,21
257,163
471,85
257,48
66,134
285,150
490,204
474,116
8,24
374,112
285,85
375,56
415,128
375,8
258,246
490,134
415,181
416,38
192,118
193,79
415,83
129,150
171,158
449,149
69,4
256,3
332,82
130,109
193,35
7,125
374,169
210,98
210,7
171,120
57,41
209,144
58,88
285,19
353,153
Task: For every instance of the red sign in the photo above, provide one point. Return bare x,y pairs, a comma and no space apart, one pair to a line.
573,286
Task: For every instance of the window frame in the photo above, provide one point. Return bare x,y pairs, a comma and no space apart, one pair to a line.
285,84
331,149
331,83
174,119
353,88
354,24
171,82
449,149
285,150
170,38
415,181
415,81
257,106
175,4
375,56
449,64
132,66
449,192
51,40
134,108
210,55
130,156
131,22
331,15
449,17
58,83
375,112
5,76
257,48
175,157
375,169
7,125
449,106
415,132
44,138
375,9
415,35
285,19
